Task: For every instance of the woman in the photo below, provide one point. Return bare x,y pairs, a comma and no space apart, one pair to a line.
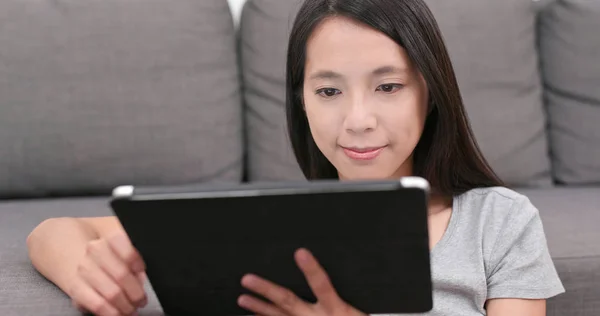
371,94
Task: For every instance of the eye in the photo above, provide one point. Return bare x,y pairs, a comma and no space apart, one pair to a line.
389,87
328,92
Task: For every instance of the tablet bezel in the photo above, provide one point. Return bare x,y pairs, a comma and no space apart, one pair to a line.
126,195
229,190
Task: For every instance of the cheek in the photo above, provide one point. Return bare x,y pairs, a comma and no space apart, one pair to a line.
404,124
322,124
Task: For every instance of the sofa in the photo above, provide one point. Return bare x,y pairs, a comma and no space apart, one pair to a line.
96,94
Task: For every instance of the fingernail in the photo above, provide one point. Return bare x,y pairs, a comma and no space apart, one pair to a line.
144,302
302,255
244,279
242,301
248,280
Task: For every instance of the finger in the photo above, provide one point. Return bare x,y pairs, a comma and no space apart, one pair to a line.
111,264
283,298
122,246
318,280
79,307
259,307
88,300
142,277
97,279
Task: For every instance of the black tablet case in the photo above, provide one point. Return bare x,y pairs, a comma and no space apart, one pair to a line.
374,246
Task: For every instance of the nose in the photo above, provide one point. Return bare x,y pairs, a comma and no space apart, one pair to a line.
360,117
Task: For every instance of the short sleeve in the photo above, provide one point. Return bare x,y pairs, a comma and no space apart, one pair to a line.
521,265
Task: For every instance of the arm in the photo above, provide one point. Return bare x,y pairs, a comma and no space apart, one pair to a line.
522,274
516,307
57,245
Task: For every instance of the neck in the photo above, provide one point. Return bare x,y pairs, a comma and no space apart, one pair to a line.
439,203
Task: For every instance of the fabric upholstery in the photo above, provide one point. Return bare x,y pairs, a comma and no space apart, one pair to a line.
569,217
23,291
102,93
570,55
492,45
581,277
264,29
96,94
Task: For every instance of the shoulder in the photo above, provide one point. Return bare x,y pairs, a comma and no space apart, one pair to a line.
502,218
505,219
495,205
513,244
495,195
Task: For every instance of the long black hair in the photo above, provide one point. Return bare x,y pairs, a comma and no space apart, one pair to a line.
447,154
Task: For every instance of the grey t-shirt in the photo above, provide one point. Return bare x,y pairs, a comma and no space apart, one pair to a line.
494,247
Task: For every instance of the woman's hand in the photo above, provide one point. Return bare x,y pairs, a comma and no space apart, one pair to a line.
286,303
110,278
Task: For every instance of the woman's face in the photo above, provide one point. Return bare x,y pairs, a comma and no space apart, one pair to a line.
365,102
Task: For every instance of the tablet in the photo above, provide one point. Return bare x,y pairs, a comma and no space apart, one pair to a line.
197,242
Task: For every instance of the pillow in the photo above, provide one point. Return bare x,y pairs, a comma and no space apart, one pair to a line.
264,29
95,94
570,54
492,45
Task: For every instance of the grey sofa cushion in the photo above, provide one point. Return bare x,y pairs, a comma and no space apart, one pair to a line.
264,31
95,94
23,291
500,83
581,277
570,53
492,45
570,217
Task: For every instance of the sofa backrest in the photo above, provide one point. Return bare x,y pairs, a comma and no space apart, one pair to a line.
494,47
95,94
264,28
569,46
104,93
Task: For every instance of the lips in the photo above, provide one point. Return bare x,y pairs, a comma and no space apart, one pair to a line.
366,153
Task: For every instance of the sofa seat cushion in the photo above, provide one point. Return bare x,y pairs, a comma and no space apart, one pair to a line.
570,217
23,291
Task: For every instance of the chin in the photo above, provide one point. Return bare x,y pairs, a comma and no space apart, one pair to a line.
366,174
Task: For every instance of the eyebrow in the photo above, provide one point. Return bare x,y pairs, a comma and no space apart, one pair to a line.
325,74
384,70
